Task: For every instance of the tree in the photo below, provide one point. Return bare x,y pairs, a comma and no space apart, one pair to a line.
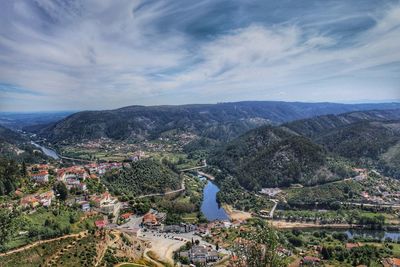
7,222
61,191
259,249
23,169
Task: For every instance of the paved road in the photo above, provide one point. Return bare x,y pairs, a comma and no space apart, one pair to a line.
271,213
74,159
195,168
183,188
208,176
396,206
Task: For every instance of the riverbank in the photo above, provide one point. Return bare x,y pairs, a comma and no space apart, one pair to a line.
291,225
236,215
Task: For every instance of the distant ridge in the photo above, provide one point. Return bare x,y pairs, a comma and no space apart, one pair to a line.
222,121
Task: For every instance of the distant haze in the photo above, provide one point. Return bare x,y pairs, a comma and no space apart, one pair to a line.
90,54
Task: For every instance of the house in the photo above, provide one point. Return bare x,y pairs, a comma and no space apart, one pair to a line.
29,201
85,206
101,223
150,220
393,262
102,199
92,168
40,177
126,215
181,228
201,254
270,191
73,183
38,168
161,216
46,198
106,203
310,261
74,172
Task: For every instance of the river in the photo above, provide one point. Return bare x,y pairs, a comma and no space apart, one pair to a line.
209,206
47,151
375,234
363,233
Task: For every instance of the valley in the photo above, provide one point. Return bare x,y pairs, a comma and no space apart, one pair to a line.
327,187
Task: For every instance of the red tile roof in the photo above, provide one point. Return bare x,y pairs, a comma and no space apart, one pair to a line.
395,261
100,223
126,215
150,218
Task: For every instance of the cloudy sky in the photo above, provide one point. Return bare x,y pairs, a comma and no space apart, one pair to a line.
101,54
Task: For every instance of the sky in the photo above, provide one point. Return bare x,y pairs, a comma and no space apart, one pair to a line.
104,54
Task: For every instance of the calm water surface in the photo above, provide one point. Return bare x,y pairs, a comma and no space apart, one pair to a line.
382,235
209,206
47,151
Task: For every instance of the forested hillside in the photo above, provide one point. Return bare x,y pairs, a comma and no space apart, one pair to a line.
9,136
313,151
143,177
273,156
9,176
223,121
15,146
370,138
316,126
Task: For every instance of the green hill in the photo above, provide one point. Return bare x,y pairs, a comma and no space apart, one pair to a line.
273,156
141,178
370,138
319,125
313,151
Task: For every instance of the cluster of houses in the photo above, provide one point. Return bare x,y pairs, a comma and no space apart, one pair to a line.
101,168
33,201
384,192
39,173
73,177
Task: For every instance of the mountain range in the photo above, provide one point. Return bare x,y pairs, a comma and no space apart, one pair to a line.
260,143
223,121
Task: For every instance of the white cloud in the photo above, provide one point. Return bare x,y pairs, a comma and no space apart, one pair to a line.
103,54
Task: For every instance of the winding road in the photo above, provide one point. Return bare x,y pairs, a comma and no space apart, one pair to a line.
183,188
